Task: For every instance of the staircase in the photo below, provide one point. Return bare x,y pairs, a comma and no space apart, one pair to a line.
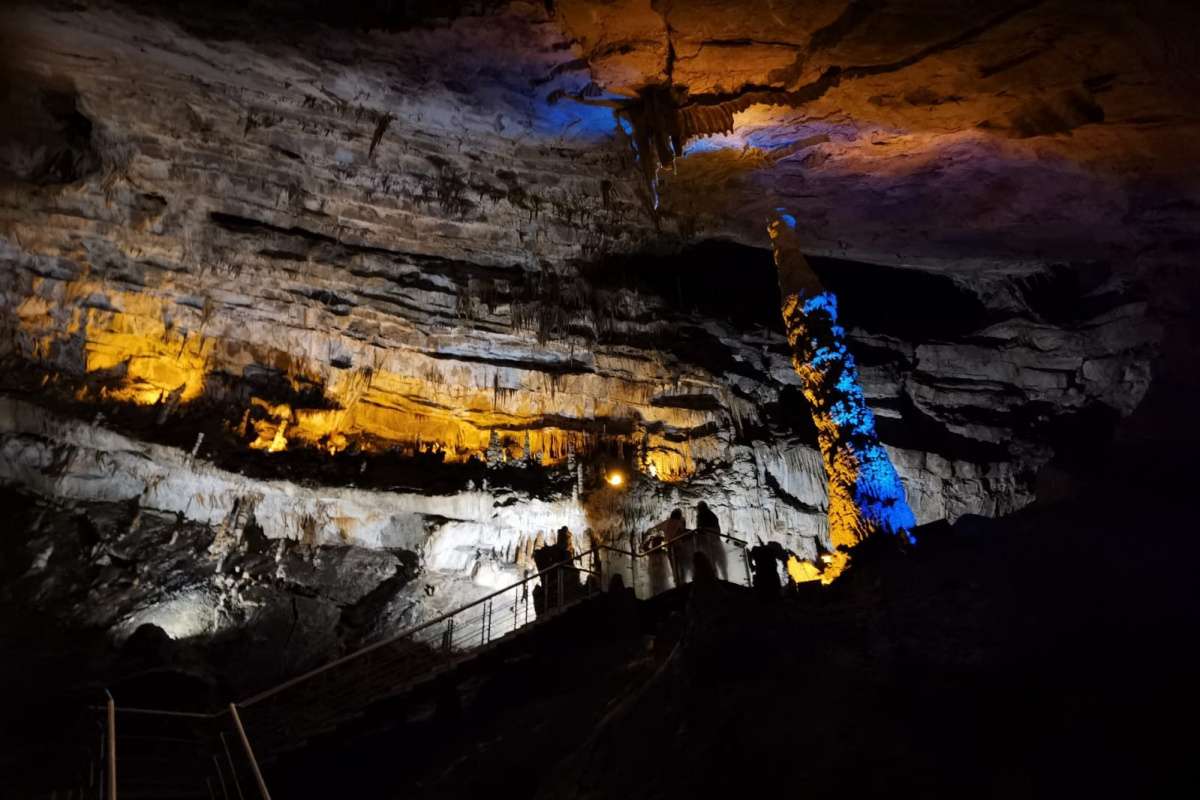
168,754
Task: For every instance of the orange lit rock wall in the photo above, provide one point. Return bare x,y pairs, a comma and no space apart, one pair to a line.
418,380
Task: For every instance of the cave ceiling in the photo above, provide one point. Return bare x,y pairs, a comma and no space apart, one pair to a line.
944,134
919,129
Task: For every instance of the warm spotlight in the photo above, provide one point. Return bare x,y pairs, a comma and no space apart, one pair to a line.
615,479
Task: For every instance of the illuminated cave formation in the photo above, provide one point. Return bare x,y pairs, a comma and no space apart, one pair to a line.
865,493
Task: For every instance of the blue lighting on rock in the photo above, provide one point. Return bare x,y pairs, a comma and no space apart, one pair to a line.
577,120
876,487
865,492
706,145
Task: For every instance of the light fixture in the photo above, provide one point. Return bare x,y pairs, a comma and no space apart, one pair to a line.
615,478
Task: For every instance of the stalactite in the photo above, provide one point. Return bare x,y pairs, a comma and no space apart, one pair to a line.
495,453
656,128
865,493
660,124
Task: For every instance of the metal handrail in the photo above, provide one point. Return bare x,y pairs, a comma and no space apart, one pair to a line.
110,770
739,543
413,631
410,632
202,733
435,657
161,713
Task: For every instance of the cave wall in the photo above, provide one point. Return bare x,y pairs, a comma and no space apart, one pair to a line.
309,286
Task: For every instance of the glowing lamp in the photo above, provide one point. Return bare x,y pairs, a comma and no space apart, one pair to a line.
615,479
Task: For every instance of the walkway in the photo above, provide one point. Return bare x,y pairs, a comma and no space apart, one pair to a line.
168,754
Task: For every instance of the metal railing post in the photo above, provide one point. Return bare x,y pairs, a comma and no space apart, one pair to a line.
237,784
111,777
220,778
100,778
237,721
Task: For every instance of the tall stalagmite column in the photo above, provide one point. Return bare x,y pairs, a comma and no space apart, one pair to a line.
865,493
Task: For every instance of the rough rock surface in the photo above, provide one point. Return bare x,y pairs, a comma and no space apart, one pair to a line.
907,131
308,280
238,613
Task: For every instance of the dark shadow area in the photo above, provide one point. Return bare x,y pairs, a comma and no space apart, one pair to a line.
45,138
787,417
1065,294
734,282
714,278
997,658
1003,658
911,304
917,431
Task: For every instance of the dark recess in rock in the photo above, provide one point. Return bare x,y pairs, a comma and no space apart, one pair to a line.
44,137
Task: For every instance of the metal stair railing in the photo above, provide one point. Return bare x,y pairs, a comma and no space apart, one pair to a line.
729,556
150,753
330,695
319,700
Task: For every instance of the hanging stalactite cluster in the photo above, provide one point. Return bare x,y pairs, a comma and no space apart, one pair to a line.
658,137
661,123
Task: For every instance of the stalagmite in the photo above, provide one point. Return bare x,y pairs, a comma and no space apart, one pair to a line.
865,493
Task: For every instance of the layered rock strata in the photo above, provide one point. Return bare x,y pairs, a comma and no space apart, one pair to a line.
312,285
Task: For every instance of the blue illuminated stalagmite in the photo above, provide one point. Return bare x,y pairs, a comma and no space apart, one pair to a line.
865,493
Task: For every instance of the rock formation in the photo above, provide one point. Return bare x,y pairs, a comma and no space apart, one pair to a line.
865,493
329,276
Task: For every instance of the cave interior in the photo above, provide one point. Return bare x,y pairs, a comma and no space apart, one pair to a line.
354,358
